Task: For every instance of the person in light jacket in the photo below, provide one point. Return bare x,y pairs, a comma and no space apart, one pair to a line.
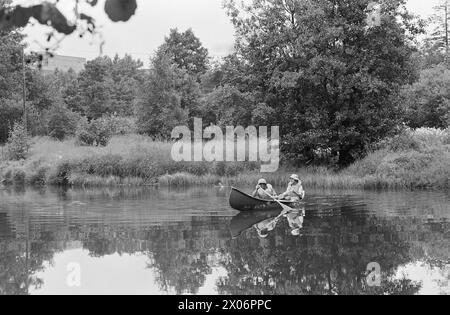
294,191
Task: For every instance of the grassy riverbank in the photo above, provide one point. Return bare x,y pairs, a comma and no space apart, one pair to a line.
414,159
126,160
420,159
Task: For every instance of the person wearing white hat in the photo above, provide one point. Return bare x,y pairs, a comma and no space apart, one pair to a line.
295,191
264,190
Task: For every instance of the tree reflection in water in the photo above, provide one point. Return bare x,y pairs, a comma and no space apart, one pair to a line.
20,260
320,253
329,258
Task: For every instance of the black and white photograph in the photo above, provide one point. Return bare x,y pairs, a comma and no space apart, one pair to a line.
224,153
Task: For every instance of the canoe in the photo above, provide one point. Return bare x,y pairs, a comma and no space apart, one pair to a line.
244,202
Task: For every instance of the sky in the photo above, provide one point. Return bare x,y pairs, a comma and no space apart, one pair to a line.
141,36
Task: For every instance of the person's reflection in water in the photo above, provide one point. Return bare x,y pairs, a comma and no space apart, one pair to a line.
295,220
265,227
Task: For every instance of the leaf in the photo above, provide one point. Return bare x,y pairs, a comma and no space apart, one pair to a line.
48,14
120,10
17,17
45,13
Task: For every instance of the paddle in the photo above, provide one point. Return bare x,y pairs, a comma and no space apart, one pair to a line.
285,207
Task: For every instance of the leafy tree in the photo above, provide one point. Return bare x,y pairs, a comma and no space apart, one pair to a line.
227,106
427,101
59,82
126,77
435,47
170,94
439,36
10,78
72,96
231,71
126,67
37,122
261,115
331,77
39,91
190,94
105,86
186,51
62,122
43,92
10,111
94,133
10,63
159,108
94,84
18,143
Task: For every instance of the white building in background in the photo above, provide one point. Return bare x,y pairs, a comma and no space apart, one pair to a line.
62,63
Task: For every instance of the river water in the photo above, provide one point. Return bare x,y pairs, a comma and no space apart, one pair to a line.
161,241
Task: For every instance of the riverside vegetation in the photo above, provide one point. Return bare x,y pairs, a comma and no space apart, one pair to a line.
413,159
360,102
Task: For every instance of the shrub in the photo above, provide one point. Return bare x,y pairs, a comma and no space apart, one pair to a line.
196,168
19,176
405,141
38,177
220,168
422,139
427,100
8,176
430,137
60,174
367,166
119,125
62,122
84,136
96,133
18,143
37,120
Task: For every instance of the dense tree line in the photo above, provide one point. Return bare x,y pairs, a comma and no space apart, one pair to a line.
335,81
10,76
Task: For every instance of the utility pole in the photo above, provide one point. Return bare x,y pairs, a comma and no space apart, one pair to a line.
24,90
446,28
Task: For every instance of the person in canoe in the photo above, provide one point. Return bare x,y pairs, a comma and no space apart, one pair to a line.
264,190
295,191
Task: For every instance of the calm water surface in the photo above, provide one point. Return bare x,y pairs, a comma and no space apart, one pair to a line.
150,241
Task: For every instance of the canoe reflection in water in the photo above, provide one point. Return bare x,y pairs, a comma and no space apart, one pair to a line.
266,222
